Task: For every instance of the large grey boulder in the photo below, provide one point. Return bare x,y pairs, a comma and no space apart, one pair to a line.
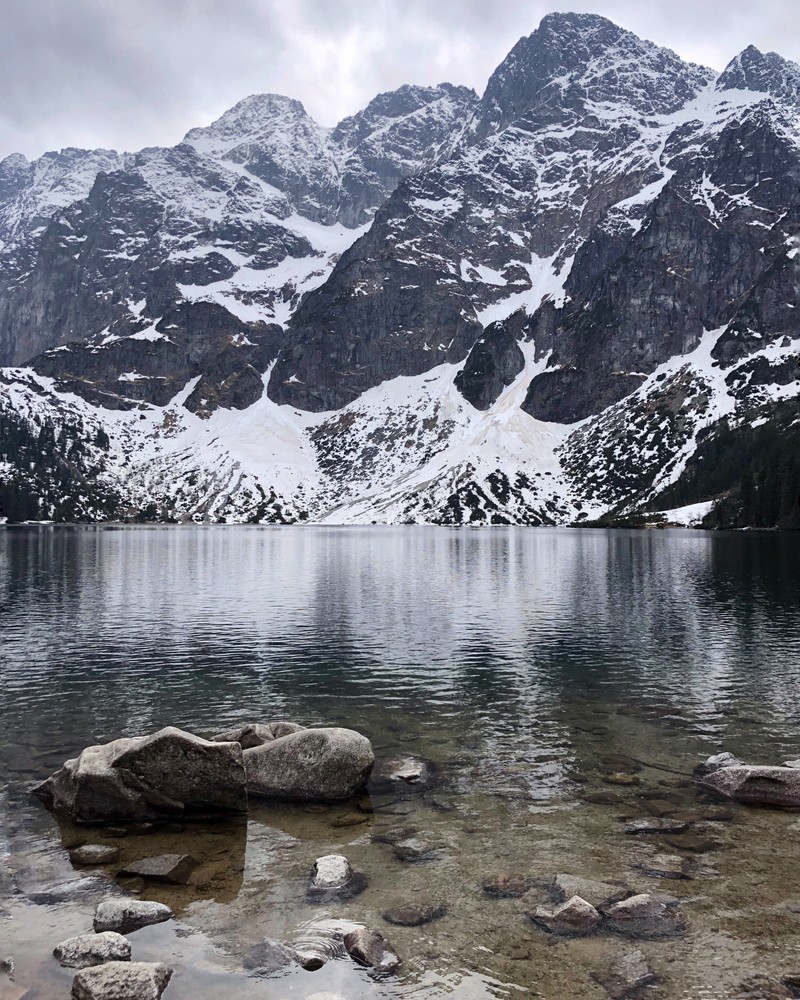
122,981
771,786
312,765
171,773
86,950
715,763
125,915
256,734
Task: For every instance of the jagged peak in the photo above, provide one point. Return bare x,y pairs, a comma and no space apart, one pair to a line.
15,161
763,72
592,57
251,113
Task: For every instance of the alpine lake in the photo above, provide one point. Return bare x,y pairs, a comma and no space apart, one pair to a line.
562,683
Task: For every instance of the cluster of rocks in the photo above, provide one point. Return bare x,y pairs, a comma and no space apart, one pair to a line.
177,774
103,958
585,906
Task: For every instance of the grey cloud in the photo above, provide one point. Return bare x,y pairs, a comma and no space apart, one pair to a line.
142,72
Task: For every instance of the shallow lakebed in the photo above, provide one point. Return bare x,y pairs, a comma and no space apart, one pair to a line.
562,681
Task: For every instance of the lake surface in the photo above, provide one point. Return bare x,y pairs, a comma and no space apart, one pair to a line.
531,665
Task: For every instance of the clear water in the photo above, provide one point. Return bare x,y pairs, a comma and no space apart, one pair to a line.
524,662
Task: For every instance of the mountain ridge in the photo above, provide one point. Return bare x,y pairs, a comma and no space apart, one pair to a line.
531,307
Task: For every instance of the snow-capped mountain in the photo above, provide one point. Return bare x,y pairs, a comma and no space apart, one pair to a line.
571,297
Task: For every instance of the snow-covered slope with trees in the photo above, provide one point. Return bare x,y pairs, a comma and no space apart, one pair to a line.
572,298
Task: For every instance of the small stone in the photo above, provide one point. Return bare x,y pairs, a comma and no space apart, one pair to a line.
646,915
620,762
669,866
125,915
268,957
414,851
122,981
349,819
599,894
660,807
370,948
87,950
621,778
693,843
331,872
393,835
174,868
625,975
94,854
648,826
505,886
576,916
717,814
715,763
414,916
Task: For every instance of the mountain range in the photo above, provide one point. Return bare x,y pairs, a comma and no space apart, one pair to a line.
571,300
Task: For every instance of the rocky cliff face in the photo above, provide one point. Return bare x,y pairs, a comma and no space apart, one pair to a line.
531,307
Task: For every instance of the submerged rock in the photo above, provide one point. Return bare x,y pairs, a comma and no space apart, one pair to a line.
646,916
576,917
624,976
414,915
415,851
94,854
171,773
669,866
174,868
505,886
267,957
126,915
773,786
370,948
122,981
256,734
401,773
87,950
646,826
322,765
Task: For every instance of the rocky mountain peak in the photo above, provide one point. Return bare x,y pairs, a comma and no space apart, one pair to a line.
572,59
763,72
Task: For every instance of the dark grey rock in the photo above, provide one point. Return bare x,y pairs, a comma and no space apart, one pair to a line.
126,915
169,774
625,975
322,765
122,981
415,914
173,868
400,774
654,826
87,950
646,915
370,948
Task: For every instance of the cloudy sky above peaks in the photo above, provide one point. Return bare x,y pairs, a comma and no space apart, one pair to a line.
142,72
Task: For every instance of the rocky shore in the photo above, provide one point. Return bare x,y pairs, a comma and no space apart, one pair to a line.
174,779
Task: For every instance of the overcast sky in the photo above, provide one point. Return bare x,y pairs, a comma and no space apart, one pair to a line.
130,73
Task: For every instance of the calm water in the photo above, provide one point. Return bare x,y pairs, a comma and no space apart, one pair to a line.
528,664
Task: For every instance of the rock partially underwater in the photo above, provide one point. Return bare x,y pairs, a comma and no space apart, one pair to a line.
169,774
174,774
